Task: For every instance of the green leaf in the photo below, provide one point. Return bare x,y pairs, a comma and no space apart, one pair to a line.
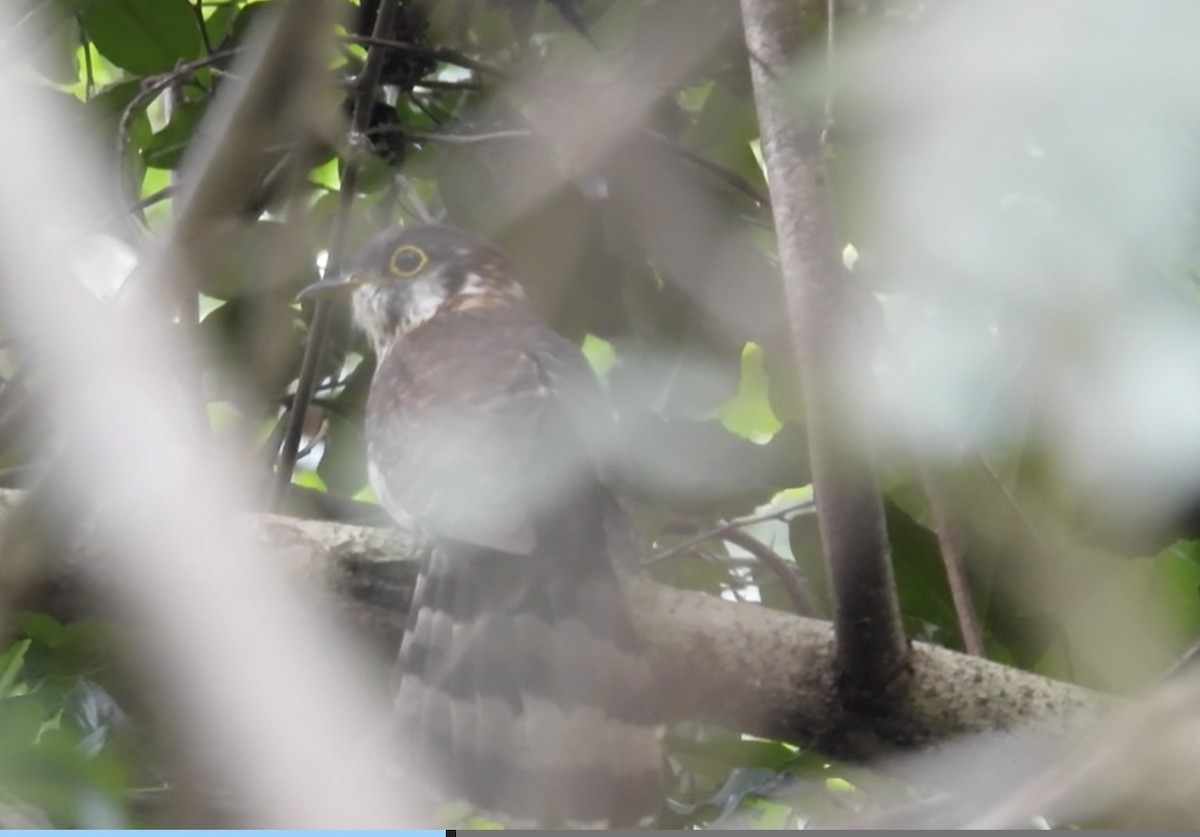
1175,576
166,148
64,650
220,22
600,355
222,415
41,628
769,816
143,36
309,479
749,413
366,495
11,663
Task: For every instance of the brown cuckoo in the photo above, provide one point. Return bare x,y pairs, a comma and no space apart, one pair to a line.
522,685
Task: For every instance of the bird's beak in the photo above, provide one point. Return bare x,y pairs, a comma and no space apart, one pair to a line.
328,288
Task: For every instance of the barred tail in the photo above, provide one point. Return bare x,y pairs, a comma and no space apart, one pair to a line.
524,690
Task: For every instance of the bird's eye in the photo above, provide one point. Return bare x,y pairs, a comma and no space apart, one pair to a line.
408,260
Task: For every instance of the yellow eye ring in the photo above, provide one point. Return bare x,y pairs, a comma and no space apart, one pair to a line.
408,260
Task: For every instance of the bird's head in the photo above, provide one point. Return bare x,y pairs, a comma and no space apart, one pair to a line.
404,276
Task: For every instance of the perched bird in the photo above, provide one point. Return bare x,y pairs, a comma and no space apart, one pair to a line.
523,687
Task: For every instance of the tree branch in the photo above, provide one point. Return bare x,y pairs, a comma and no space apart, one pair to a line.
952,546
793,585
764,672
310,364
871,647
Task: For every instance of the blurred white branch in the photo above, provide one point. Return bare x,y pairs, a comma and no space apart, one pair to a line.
261,690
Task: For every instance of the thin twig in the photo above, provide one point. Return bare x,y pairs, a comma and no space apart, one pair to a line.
287,400
316,439
416,205
447,56
1038,542
730,178
14,32
199,13
437,84
728,526
950,545
154,85
725,175
311,363
467,139
189,303
89,72
424,108
790,580
150,200
270,447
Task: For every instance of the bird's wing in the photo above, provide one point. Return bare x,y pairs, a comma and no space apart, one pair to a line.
482,423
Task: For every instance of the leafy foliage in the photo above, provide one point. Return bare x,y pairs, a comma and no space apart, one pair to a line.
681,312
71,751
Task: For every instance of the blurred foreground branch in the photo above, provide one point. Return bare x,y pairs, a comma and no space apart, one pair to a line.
235,663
